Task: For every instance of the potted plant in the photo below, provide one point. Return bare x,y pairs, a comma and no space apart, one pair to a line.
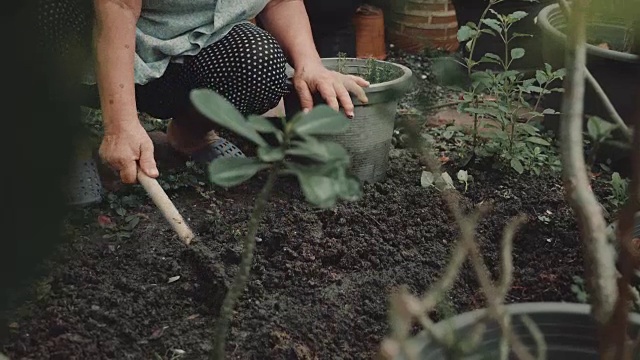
614,68
368,138
604,329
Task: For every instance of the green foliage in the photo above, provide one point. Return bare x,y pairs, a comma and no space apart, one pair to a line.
599,132
323,177
619,191
374,71
578,289
506,102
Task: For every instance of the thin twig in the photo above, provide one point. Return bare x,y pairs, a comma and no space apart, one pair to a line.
506,260
459,256
541,344
241,278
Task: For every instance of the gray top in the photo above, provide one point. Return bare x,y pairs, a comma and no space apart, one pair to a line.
167,30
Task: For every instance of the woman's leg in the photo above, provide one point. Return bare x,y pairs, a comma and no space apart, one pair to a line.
247,67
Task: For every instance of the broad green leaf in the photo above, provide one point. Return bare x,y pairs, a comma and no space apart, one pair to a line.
472,25
511,74
465,33
463,176
548,68
598,128
270,154
528,128
321,120
227,172
560,73
322,151
351,189
427,179
517,53
217,109
446,181
262,125
490,57
537,140
488,31
517,166
517,15
492,23
318,190
593,128
549,112
541,76
535,89
323,184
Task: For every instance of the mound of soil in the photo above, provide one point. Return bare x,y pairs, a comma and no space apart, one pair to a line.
320,281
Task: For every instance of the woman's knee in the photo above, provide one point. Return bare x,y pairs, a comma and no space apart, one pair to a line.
247,67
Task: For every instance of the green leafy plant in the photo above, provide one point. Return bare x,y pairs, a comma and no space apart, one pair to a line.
321,167
374,71
507,102
619,191
579,290
599,132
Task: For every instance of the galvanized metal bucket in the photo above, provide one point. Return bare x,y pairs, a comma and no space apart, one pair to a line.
368,139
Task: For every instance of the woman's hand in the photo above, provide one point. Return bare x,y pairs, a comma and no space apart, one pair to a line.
334,87
126,147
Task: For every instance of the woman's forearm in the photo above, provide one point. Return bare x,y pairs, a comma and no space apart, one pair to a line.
114,38
288,22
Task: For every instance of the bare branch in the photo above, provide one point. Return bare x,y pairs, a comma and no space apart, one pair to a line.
506,260
599,255
541,344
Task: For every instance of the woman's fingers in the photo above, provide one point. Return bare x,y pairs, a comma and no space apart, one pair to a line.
344,98
328,92
358,80
304,94
357,90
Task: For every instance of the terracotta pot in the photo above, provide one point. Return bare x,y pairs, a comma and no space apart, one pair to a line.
369,26
419,24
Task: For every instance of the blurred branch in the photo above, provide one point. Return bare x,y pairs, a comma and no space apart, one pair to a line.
616,328
599,255
465,247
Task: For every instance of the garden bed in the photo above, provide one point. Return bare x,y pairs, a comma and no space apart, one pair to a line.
320,281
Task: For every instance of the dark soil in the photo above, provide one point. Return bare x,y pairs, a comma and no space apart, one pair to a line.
320,282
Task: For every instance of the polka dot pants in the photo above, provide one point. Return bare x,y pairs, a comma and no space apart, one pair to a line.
247,67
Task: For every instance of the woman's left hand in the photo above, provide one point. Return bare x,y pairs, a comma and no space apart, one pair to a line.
334,87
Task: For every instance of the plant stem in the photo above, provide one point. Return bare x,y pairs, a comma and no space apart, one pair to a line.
599,256
475,40
244,269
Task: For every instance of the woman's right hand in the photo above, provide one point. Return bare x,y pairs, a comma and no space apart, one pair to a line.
125,148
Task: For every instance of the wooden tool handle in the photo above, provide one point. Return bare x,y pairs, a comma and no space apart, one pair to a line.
166,207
